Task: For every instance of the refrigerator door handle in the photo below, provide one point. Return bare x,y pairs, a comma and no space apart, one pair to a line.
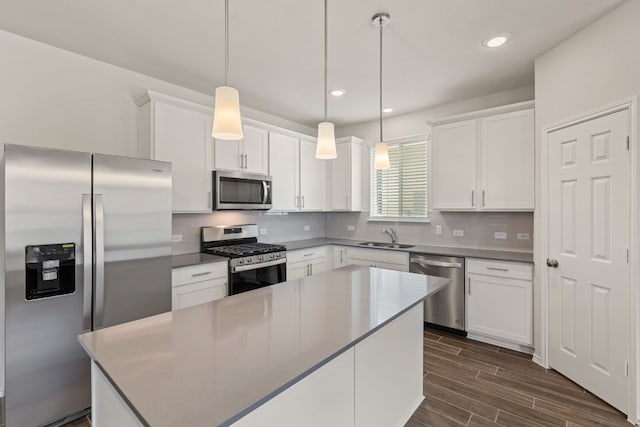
98,240
87,275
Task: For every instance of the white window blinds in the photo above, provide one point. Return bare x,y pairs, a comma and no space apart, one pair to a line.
401,191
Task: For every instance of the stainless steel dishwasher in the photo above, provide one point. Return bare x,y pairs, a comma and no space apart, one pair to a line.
446,308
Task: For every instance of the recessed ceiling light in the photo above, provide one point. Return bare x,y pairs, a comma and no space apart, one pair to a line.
496,40
337,92
387,110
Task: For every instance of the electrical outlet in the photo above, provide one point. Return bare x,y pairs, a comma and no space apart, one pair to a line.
500,235
307,228
176,237
523,236
438,229
351,228
458,233
263,231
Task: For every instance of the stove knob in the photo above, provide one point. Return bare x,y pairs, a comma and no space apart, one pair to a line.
241,261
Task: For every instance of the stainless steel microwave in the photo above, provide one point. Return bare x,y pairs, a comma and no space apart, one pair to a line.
241,190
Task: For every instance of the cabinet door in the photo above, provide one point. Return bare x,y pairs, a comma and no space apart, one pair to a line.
507,161
184,296
312,178
283,166
339,257
297,270
183,138
513,321
228,155
319,266
453,166
255,147
340,179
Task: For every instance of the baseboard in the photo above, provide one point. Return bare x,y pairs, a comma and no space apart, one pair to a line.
500,343
410,411
538,361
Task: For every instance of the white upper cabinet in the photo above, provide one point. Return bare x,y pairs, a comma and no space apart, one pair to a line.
177,131
251,154
284,165
312,178
507,161
453,165
484,163
345,176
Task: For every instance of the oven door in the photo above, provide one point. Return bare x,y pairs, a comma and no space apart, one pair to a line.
240,190
249,277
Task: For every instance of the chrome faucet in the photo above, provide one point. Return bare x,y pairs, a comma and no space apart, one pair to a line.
392,233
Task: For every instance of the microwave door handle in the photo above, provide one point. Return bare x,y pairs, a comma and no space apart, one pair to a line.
265,194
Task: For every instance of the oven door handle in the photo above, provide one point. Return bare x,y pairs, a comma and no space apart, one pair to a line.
239,268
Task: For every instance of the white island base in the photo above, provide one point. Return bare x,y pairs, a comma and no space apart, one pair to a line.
376,382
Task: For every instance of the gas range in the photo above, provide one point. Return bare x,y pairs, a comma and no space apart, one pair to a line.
252,265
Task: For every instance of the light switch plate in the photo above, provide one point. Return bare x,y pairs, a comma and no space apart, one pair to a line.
307,228
500,235
523,236
351,227
263,231
458,233
176,237
438,229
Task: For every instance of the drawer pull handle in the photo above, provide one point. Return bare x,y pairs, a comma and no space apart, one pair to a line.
307,254
497,269
201,274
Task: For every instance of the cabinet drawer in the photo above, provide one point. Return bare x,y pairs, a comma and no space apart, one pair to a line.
378,256
184,296
500,269
198,273
304,255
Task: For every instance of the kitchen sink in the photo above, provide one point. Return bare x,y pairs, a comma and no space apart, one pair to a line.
385,245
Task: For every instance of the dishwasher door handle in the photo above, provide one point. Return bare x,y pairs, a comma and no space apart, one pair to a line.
429,263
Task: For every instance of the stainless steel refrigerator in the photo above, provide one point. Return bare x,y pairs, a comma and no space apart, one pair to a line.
87,244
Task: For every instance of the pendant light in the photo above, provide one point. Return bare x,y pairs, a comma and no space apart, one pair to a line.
227,123
326,146
381,159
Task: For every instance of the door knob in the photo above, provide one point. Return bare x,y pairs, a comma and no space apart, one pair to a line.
552,263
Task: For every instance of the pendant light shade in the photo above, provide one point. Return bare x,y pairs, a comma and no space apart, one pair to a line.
381,159
326,147
227,123
226,118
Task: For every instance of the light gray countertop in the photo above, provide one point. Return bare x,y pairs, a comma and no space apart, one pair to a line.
211,364
423,249
195,259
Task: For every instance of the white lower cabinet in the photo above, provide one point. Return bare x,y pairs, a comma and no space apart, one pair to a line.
198,284
389,259
339,256
306,262
499,302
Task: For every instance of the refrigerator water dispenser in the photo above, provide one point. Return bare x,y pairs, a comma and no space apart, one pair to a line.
50,270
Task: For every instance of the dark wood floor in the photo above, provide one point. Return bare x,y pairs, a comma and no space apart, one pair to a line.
468,383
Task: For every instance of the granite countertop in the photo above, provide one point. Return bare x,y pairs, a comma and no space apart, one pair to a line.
422,249
213,363
195,259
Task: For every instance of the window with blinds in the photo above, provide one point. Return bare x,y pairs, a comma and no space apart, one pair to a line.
401,191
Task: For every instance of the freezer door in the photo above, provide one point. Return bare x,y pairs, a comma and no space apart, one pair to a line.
132,236
47,371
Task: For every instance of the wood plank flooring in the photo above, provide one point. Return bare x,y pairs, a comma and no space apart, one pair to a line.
469,383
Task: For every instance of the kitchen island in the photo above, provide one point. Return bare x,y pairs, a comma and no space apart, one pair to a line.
341,348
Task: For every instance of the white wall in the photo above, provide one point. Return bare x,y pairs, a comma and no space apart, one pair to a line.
595,67
54,98
416,123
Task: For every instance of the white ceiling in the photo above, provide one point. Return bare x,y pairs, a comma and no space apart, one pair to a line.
432,47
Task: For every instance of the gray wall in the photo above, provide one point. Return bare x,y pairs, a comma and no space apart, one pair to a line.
597,66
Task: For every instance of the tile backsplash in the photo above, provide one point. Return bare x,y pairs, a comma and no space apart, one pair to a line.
479,228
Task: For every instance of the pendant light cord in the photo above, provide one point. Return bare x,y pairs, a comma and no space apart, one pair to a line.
381,25
226,42
326,43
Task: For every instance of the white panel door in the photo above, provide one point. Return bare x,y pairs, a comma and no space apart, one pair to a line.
312,178
228,155
453,166
283,167
183,137
589,236
255,149
340,178
507,151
